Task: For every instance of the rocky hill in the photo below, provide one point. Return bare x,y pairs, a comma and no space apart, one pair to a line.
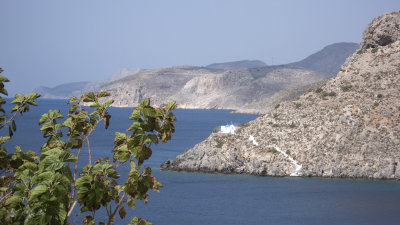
205,88
329,59
348,127
237,64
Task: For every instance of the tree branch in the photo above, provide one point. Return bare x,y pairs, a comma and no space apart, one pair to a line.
110,219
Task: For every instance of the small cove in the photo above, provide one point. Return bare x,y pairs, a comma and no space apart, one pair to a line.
196,198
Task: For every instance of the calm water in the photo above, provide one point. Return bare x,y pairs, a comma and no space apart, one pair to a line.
195,198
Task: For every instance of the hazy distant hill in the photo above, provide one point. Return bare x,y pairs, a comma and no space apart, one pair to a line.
68,90
237,64
63,90
329,59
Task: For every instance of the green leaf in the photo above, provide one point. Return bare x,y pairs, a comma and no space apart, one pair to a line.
83,181
119,137
149,112
10,132
14,127
89,97
102,94
107,103
145,102
124,156
122,212
153,138
44,118
95,105
51,163
136,114
131,203
88,220
62,213
135,125
171,105
73,99
3,78
68,123
73,108
37,191
4,139
30,98
14,200
46,178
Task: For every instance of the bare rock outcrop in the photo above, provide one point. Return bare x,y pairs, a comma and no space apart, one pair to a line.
348,127
382,31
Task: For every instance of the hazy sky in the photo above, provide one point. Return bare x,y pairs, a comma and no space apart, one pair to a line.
53,42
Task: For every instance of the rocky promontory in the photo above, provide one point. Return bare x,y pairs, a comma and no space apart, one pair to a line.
347,127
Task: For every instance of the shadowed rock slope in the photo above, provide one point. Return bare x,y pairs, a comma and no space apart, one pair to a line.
237,64
349,127
329,59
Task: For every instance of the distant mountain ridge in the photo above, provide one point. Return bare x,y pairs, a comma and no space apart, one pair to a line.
247,85
67,90
329,59
237,64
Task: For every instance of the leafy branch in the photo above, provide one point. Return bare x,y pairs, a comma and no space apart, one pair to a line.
42,189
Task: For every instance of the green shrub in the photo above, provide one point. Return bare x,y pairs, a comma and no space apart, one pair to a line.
379,96
277,106
292,125
374,50
220,143
347,87
272,150
298,105
319,90
216,130
330,94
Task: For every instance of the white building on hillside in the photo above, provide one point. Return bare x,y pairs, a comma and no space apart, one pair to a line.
228,129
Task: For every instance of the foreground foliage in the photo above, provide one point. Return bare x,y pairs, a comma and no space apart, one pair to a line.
44,189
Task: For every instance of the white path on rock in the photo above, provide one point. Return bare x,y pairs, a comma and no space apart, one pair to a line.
251,138
294,162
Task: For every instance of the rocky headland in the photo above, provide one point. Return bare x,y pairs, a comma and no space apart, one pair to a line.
347,127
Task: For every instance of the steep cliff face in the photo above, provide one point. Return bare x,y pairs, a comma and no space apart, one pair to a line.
348,127
201,87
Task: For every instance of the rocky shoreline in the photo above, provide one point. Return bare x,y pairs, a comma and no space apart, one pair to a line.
348,127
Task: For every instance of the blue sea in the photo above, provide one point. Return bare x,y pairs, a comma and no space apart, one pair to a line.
197,198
